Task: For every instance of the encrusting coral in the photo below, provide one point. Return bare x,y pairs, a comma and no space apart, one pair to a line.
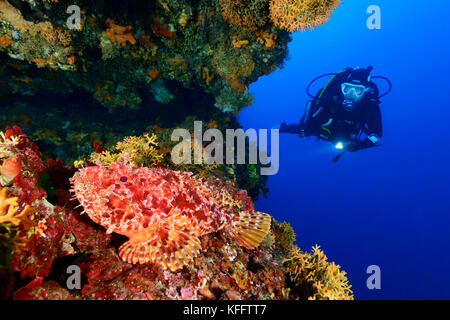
41,43
119,34
293,15
248,15
286,238
233,66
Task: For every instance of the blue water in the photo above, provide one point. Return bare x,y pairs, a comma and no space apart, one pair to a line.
387,206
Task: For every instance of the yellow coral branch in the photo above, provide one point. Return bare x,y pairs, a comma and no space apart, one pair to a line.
326,279
11,141
10,214
142,151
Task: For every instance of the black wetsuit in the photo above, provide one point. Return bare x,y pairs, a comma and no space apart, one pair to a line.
327,119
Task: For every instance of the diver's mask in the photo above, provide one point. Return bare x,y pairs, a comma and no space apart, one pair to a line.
352,94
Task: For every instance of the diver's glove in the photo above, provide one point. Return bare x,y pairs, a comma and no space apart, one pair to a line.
353,146
371,141
283,127
292,128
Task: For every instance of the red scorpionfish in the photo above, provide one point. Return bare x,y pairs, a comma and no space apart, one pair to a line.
163,212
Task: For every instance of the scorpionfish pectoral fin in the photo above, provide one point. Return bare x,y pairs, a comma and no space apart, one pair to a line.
250,228
170,246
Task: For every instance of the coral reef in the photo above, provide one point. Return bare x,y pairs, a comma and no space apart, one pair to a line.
54,235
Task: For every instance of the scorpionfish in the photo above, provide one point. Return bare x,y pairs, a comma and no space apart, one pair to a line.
163,212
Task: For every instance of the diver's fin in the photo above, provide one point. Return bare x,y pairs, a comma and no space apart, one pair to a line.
251,228
339,156
170,247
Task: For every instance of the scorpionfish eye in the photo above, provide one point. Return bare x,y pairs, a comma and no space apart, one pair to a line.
123,179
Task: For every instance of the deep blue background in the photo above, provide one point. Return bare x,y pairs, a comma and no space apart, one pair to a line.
387,206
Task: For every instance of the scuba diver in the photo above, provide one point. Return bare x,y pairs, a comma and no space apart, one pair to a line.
345,112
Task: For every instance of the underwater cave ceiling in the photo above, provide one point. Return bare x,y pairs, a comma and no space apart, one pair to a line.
124,47
158,61
131,65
